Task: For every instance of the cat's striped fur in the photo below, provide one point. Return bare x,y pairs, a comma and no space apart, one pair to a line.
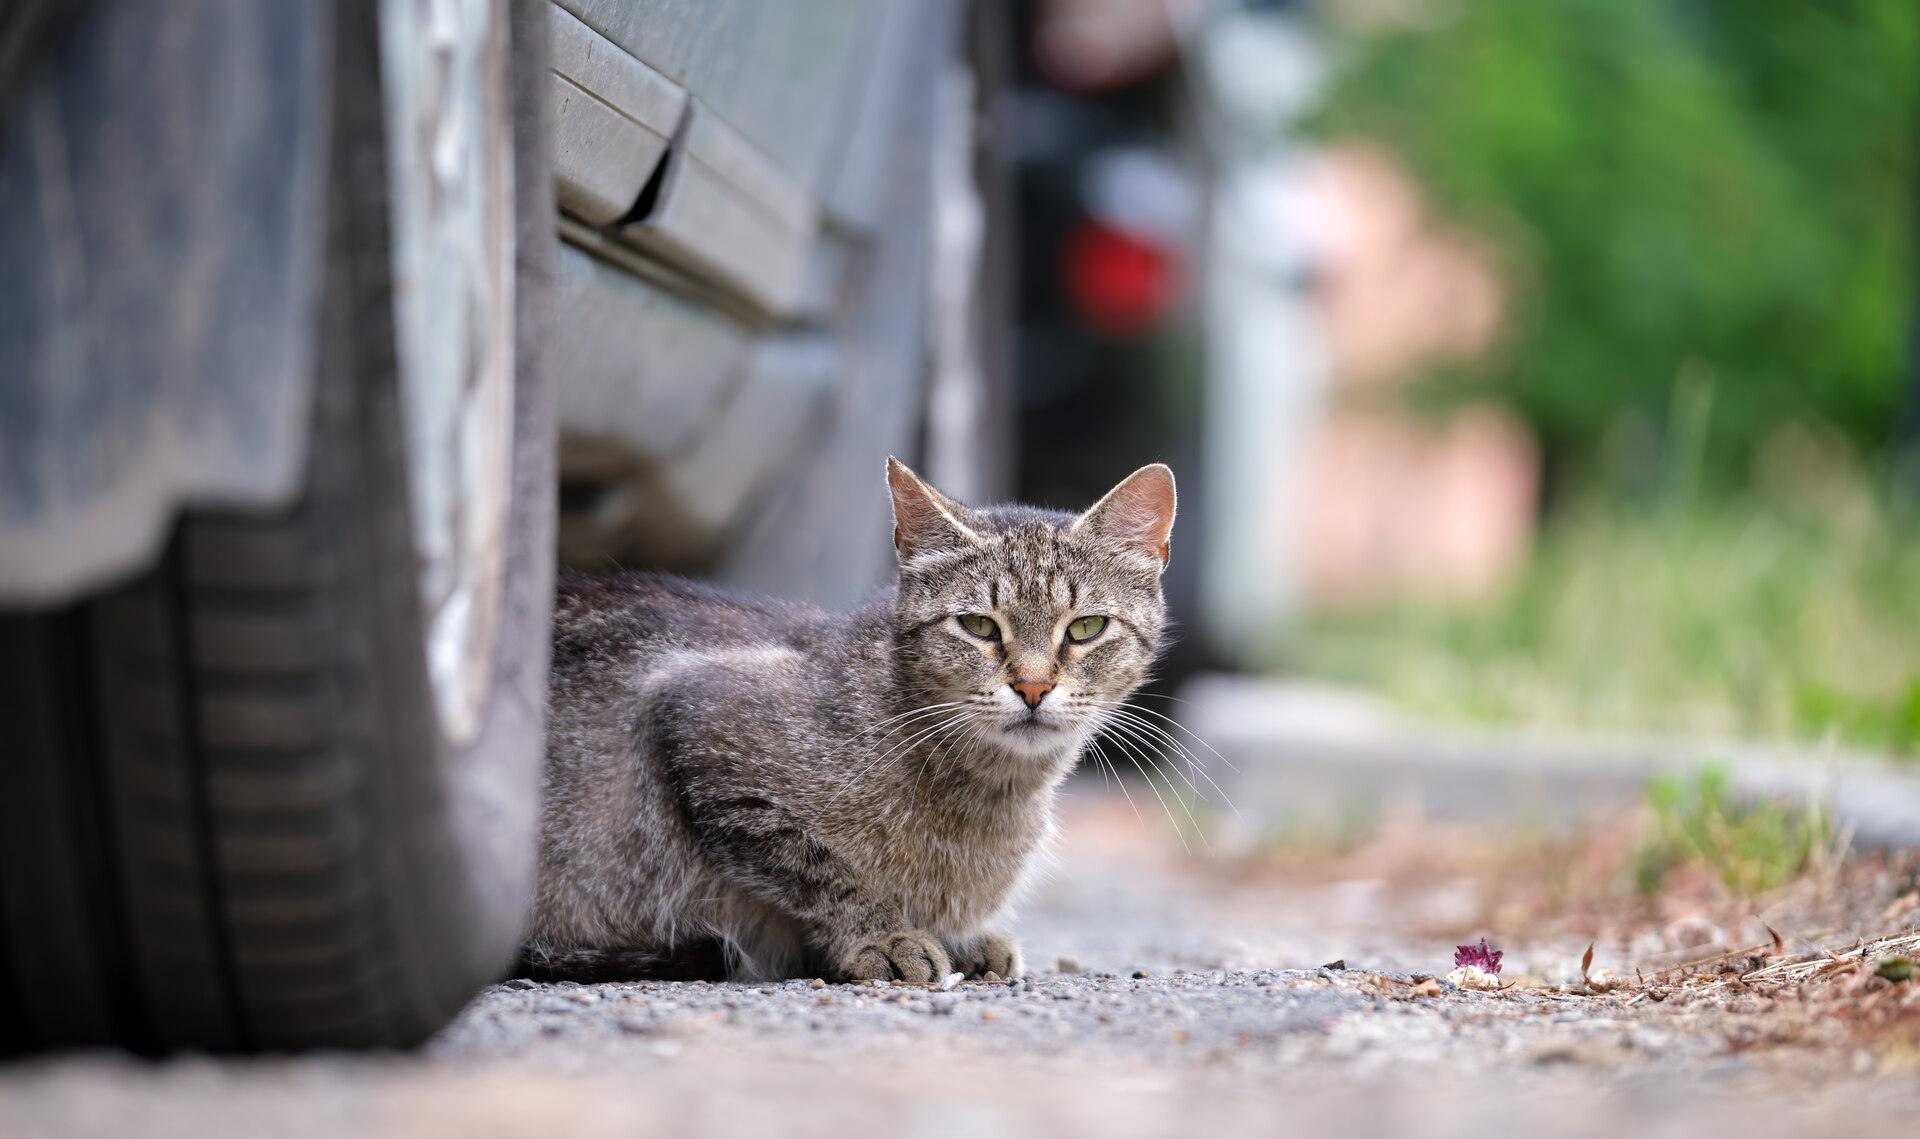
761,789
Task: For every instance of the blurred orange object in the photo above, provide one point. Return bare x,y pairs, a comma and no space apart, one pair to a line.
1100,45
1396,506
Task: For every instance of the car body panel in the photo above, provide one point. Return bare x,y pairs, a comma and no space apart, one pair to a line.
160,233
614,118
794,210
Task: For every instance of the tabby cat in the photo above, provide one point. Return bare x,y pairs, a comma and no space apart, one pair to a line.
752,789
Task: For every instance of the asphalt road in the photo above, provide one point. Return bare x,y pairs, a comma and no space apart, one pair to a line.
1190,1002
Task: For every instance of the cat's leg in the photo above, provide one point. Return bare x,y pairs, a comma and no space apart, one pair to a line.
988,952
761,844
760,847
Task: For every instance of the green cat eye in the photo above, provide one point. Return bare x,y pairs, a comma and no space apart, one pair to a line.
980,625
1085,628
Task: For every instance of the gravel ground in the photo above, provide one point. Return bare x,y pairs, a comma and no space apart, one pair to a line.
1186,1003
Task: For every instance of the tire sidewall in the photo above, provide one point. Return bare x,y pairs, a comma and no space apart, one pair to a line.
458,832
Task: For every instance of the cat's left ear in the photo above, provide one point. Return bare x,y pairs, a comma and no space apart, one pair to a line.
1137,515
924,520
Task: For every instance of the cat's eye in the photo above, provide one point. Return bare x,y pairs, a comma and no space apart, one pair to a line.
980,625
1085,628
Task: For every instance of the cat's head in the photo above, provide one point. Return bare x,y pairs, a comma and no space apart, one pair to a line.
1034,623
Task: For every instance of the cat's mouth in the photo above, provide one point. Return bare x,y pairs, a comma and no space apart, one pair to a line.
1038,727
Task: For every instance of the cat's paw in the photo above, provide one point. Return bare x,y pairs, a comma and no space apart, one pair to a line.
989,953
904,955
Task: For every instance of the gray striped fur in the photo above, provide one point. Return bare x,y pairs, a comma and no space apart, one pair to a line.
844,796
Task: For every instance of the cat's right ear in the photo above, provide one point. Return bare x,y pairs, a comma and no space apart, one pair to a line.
1136,516
924,520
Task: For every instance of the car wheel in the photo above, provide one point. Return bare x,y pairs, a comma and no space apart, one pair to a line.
281,791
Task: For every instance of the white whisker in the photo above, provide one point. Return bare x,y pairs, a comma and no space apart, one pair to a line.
1143,760
1094,746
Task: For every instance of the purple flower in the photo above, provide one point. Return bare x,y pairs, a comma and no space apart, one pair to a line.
1481,956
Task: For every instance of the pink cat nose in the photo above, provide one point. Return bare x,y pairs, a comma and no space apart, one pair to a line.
1032,690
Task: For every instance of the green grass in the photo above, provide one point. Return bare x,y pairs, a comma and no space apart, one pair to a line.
1747,618
1750,848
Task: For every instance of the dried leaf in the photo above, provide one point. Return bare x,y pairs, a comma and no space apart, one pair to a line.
1779,945
1586,963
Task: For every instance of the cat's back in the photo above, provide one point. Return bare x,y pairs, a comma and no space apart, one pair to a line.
637,618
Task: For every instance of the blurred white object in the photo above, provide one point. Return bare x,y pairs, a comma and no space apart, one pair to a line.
956,391
1329,283
1261,70
1141,190
1268,371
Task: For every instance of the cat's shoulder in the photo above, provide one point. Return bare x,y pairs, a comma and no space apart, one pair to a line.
657,621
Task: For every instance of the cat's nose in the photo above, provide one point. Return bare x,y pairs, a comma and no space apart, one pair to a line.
1032,690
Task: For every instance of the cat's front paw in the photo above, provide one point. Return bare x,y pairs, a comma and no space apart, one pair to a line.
989,953
904,955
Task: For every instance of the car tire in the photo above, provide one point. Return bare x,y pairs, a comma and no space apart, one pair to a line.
234,819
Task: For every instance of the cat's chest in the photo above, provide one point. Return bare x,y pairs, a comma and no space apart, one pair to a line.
951,874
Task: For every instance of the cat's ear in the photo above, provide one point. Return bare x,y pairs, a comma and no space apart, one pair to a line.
924,520
1137,515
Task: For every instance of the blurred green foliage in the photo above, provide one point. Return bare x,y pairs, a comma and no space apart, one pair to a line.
1743,616
1720,188
1750,847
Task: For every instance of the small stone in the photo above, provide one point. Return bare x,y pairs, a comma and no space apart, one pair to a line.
942,1004
1017,985
520,983
992,978
816,983
1067,965
1139,974
950,980
1339,966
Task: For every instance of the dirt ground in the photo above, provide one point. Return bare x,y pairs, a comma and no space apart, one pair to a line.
1293,989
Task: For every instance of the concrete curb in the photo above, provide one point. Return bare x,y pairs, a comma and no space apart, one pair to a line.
1312,757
